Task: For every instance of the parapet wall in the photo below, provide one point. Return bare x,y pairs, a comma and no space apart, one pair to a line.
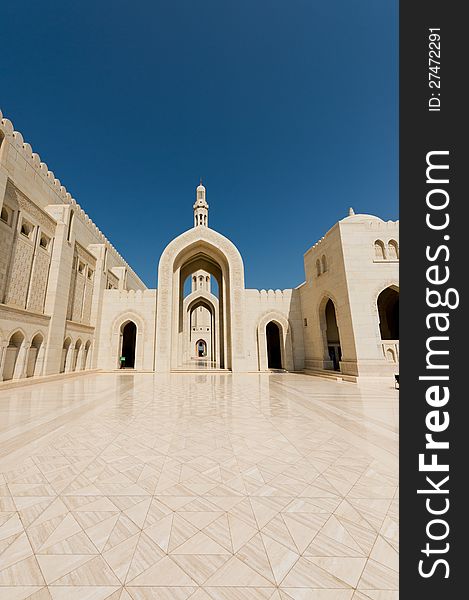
35,178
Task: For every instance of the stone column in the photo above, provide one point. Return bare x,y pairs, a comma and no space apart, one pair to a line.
58,287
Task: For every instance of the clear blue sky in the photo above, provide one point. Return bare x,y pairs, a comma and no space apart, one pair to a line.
287,109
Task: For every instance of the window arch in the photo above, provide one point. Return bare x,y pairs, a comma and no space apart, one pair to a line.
324,263
5,215
393,250
318,267
380,253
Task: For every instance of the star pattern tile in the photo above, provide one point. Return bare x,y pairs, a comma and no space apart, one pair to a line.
201,487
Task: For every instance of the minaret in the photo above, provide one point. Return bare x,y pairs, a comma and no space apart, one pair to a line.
200,207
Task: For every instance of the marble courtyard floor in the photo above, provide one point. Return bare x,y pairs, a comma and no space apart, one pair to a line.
126,486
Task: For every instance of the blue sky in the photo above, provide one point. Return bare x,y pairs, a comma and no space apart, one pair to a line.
288,110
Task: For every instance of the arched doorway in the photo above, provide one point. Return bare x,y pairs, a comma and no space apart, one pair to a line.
33,354
200,249
201,349
274,353
129,339
11,357
332,336
388,313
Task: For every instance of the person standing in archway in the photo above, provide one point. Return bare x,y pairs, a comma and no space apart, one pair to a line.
122,362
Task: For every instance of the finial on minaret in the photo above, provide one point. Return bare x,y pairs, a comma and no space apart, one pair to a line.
351,212
200,207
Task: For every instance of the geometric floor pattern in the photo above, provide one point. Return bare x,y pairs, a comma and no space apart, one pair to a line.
209,487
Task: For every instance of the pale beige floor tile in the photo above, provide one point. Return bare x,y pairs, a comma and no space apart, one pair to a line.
297,465
236,573
345,568
18,592
200,566
99,533
160,531
160,593
280,557
306,574
163,573
24,572
93,572
315,594
146,554
119,557
254,554
239,593
200,519
241,531
200,543
55,566
95,592
378,577
16,548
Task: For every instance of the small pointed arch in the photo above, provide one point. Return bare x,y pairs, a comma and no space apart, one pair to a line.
380,252
16,339
393,250
37,340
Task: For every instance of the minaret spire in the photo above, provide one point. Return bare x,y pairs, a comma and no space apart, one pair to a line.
200,207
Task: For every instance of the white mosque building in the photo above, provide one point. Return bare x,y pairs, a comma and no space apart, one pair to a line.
69,302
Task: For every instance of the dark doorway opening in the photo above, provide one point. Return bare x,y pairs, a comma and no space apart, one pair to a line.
201,348
274,355
129,338
333,337
388,310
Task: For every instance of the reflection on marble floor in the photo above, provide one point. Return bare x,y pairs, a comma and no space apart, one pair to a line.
129,486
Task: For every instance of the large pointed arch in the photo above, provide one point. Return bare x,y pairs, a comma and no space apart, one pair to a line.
204,248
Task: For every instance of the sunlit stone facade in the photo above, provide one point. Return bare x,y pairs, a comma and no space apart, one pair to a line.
69,301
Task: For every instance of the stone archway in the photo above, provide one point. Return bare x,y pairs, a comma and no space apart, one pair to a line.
201,348
117,339
330,334
12,366
192,332
388,312
205,249
35,356
275,319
